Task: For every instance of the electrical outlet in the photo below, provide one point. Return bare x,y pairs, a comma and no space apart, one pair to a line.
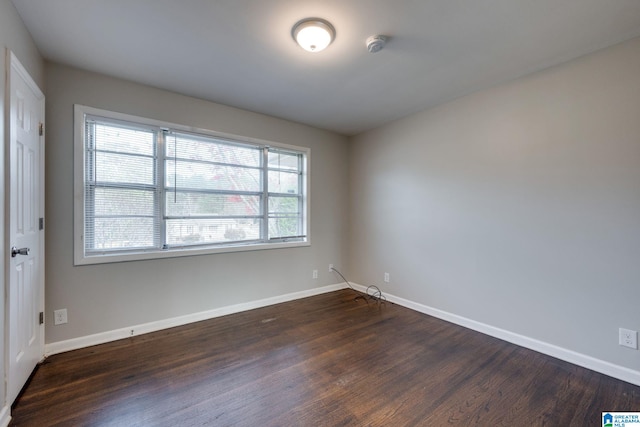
60,316
628,338
315,274
386,278
330,267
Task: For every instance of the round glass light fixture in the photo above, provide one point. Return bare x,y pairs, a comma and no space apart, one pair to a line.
313,34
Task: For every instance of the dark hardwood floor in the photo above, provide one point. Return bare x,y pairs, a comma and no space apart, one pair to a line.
321,361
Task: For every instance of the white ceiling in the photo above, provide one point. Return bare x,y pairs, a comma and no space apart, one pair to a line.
241,53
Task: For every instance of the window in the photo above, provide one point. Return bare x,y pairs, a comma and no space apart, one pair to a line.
146,189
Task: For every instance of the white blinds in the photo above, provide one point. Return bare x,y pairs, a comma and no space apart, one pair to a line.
148,188
213,190
285,194
120,186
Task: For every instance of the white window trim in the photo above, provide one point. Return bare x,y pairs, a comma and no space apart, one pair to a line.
80,111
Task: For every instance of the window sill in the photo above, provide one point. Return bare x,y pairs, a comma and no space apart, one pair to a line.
106,258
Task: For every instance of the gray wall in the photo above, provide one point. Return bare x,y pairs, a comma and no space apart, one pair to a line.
14,36
110,296
517,207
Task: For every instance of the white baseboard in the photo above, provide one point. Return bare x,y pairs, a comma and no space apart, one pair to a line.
607,368
5,416
116,334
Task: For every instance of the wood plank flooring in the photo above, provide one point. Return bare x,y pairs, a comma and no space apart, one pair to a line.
321,361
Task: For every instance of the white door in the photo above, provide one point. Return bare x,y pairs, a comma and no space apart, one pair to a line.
25,240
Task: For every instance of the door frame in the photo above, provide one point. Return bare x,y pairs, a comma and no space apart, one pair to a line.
13,65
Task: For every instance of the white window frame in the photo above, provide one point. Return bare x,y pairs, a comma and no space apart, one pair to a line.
81,258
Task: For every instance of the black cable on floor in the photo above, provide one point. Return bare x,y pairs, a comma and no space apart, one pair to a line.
373,293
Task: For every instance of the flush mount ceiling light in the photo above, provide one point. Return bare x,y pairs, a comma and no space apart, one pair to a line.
313,34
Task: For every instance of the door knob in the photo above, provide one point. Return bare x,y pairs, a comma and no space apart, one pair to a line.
22,251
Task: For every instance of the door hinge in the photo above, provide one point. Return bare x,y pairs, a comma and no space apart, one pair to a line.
41,317
41,129
41,224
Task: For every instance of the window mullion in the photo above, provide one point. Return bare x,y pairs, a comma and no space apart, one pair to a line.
300,196
90,182
264,230
161,223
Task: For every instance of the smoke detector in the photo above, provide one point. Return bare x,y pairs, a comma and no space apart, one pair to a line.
376,43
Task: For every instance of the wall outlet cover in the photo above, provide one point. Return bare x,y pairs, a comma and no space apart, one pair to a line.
628,338
60,316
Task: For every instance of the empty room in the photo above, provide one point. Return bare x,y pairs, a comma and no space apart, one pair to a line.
320,213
